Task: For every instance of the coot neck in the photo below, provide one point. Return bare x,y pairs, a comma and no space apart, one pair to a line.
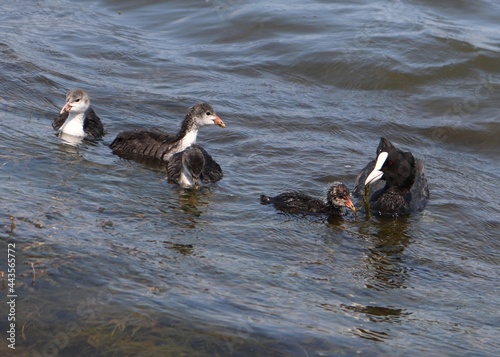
188,133
334,210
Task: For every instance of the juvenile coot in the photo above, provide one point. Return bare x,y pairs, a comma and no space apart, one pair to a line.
405,190
337,198
155,144
188,167
77,118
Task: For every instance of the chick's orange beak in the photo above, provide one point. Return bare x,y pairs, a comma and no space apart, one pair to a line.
66,108
349,204
218,121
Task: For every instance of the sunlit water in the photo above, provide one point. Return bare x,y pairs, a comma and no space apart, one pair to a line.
111,260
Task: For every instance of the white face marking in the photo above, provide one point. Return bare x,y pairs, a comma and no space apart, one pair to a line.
376,174
380,160
79,105
207,118
77,101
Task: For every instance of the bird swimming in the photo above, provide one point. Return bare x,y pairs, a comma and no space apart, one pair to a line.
77,118
187,168
338,197
405,190
158,145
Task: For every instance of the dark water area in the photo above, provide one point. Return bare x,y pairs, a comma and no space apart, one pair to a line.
111,260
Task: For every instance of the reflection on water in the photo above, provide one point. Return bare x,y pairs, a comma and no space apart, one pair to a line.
377,313
194,201
184,249
71,140
388,239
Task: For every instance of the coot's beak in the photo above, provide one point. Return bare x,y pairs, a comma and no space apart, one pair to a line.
349,204
218,121
376,174
66,108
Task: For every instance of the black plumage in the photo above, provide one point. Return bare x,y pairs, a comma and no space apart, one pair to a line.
405,190
59,120
338,197
188,167
92,125
152,144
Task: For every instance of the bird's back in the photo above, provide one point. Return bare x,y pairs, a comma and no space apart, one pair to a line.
295,203
147,143
200,163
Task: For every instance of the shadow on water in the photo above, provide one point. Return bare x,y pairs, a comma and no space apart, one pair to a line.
97,324
103,321
113,333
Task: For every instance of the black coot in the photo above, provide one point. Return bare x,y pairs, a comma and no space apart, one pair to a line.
405,190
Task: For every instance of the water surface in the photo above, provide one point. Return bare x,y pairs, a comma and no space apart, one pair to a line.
127,264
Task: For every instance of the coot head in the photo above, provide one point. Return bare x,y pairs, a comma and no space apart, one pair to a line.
395,167
204,114
77,101
338,196
405,191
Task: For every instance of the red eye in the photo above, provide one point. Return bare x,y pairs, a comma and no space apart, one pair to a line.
389,163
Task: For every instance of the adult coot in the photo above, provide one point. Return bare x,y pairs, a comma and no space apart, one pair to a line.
405,190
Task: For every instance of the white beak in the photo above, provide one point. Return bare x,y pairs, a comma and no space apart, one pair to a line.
376,174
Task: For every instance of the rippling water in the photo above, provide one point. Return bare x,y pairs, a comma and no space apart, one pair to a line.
112,260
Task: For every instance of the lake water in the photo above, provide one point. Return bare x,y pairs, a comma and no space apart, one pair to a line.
111,260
